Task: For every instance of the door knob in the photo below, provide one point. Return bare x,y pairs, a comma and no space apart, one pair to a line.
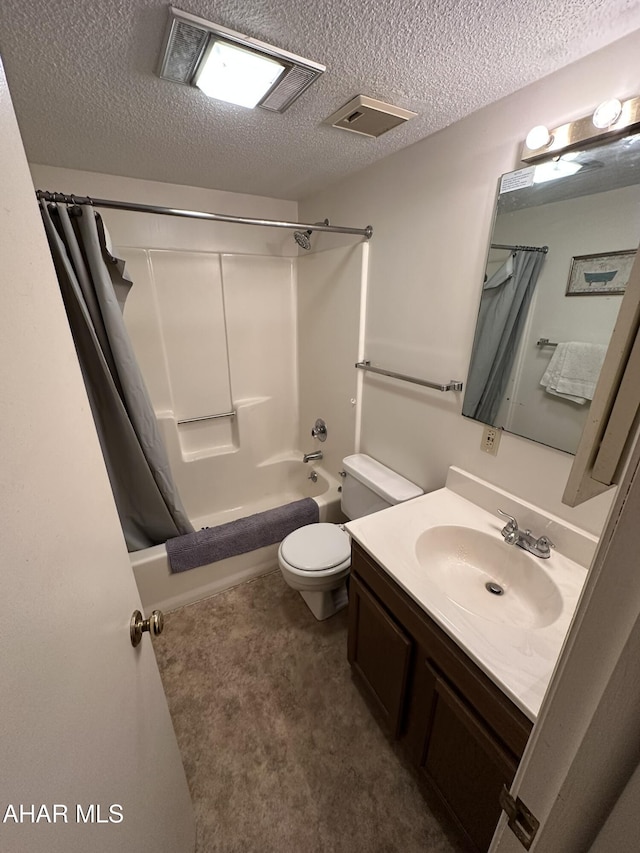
154,625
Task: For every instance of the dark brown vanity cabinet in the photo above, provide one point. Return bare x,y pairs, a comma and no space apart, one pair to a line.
459,730
380,653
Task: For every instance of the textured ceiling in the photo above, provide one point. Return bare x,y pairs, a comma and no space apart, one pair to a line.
82,76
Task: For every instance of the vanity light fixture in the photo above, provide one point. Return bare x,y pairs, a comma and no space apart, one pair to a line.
233,67
607,113
611,119
538,137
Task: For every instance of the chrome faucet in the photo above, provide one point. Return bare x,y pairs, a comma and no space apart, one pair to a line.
309,457
525,539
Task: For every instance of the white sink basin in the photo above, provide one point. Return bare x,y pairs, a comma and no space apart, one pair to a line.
461,562
443,547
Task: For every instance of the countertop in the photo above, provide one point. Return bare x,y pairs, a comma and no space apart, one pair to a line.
518,659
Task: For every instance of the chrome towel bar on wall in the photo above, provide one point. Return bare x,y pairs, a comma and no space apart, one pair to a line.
207,418
452,385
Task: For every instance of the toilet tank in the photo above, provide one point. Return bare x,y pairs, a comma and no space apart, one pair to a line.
369,485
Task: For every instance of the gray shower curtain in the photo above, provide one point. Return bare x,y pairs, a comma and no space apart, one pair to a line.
503,311
94,288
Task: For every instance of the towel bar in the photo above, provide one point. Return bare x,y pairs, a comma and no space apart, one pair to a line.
208,418
452,385
545,342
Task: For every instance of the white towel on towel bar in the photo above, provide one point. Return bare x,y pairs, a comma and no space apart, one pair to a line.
574,370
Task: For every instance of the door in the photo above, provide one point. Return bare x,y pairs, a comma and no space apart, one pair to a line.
88,756
581,762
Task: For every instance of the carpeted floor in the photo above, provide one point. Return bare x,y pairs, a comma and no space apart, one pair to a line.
281,753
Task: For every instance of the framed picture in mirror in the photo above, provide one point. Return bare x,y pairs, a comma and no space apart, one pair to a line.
603,274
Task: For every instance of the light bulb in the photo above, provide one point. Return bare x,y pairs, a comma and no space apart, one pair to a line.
236,75
607,113
538,137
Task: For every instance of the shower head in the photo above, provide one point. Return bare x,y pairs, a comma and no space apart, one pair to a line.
302,238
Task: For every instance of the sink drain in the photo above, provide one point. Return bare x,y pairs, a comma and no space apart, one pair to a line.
494,588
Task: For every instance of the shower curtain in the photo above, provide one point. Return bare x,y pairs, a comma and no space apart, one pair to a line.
94,288
503,311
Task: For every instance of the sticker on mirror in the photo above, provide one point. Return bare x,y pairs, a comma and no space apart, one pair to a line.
517,180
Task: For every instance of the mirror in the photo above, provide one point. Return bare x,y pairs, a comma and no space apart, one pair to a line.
563,243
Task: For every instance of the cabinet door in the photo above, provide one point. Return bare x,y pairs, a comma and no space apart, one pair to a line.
465,763
379,652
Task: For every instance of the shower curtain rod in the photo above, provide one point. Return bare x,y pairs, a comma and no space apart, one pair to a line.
62,198
543,249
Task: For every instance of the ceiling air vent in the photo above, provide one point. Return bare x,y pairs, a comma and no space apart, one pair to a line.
185,46
369,117
188,40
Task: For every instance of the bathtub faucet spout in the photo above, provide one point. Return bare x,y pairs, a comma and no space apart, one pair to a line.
309,457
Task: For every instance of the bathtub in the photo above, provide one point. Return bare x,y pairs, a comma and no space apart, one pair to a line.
275,484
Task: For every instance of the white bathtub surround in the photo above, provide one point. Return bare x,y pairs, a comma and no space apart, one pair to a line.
228,319
212,318
222,340
519,658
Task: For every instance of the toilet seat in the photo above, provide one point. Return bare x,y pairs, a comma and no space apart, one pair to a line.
316,547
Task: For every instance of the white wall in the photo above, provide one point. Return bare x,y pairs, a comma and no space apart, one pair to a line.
431,208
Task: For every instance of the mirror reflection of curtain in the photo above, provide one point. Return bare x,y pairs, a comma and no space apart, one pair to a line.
505,301
94,288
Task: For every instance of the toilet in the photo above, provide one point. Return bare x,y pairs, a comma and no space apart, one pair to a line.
315,559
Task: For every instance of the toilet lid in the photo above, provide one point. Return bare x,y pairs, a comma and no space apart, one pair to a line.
316,546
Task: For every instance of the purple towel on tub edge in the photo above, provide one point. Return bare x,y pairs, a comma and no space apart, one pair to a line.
238,537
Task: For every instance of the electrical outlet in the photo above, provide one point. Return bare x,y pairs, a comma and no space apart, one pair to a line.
490,440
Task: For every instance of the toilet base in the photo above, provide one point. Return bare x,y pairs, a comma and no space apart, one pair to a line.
325,603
